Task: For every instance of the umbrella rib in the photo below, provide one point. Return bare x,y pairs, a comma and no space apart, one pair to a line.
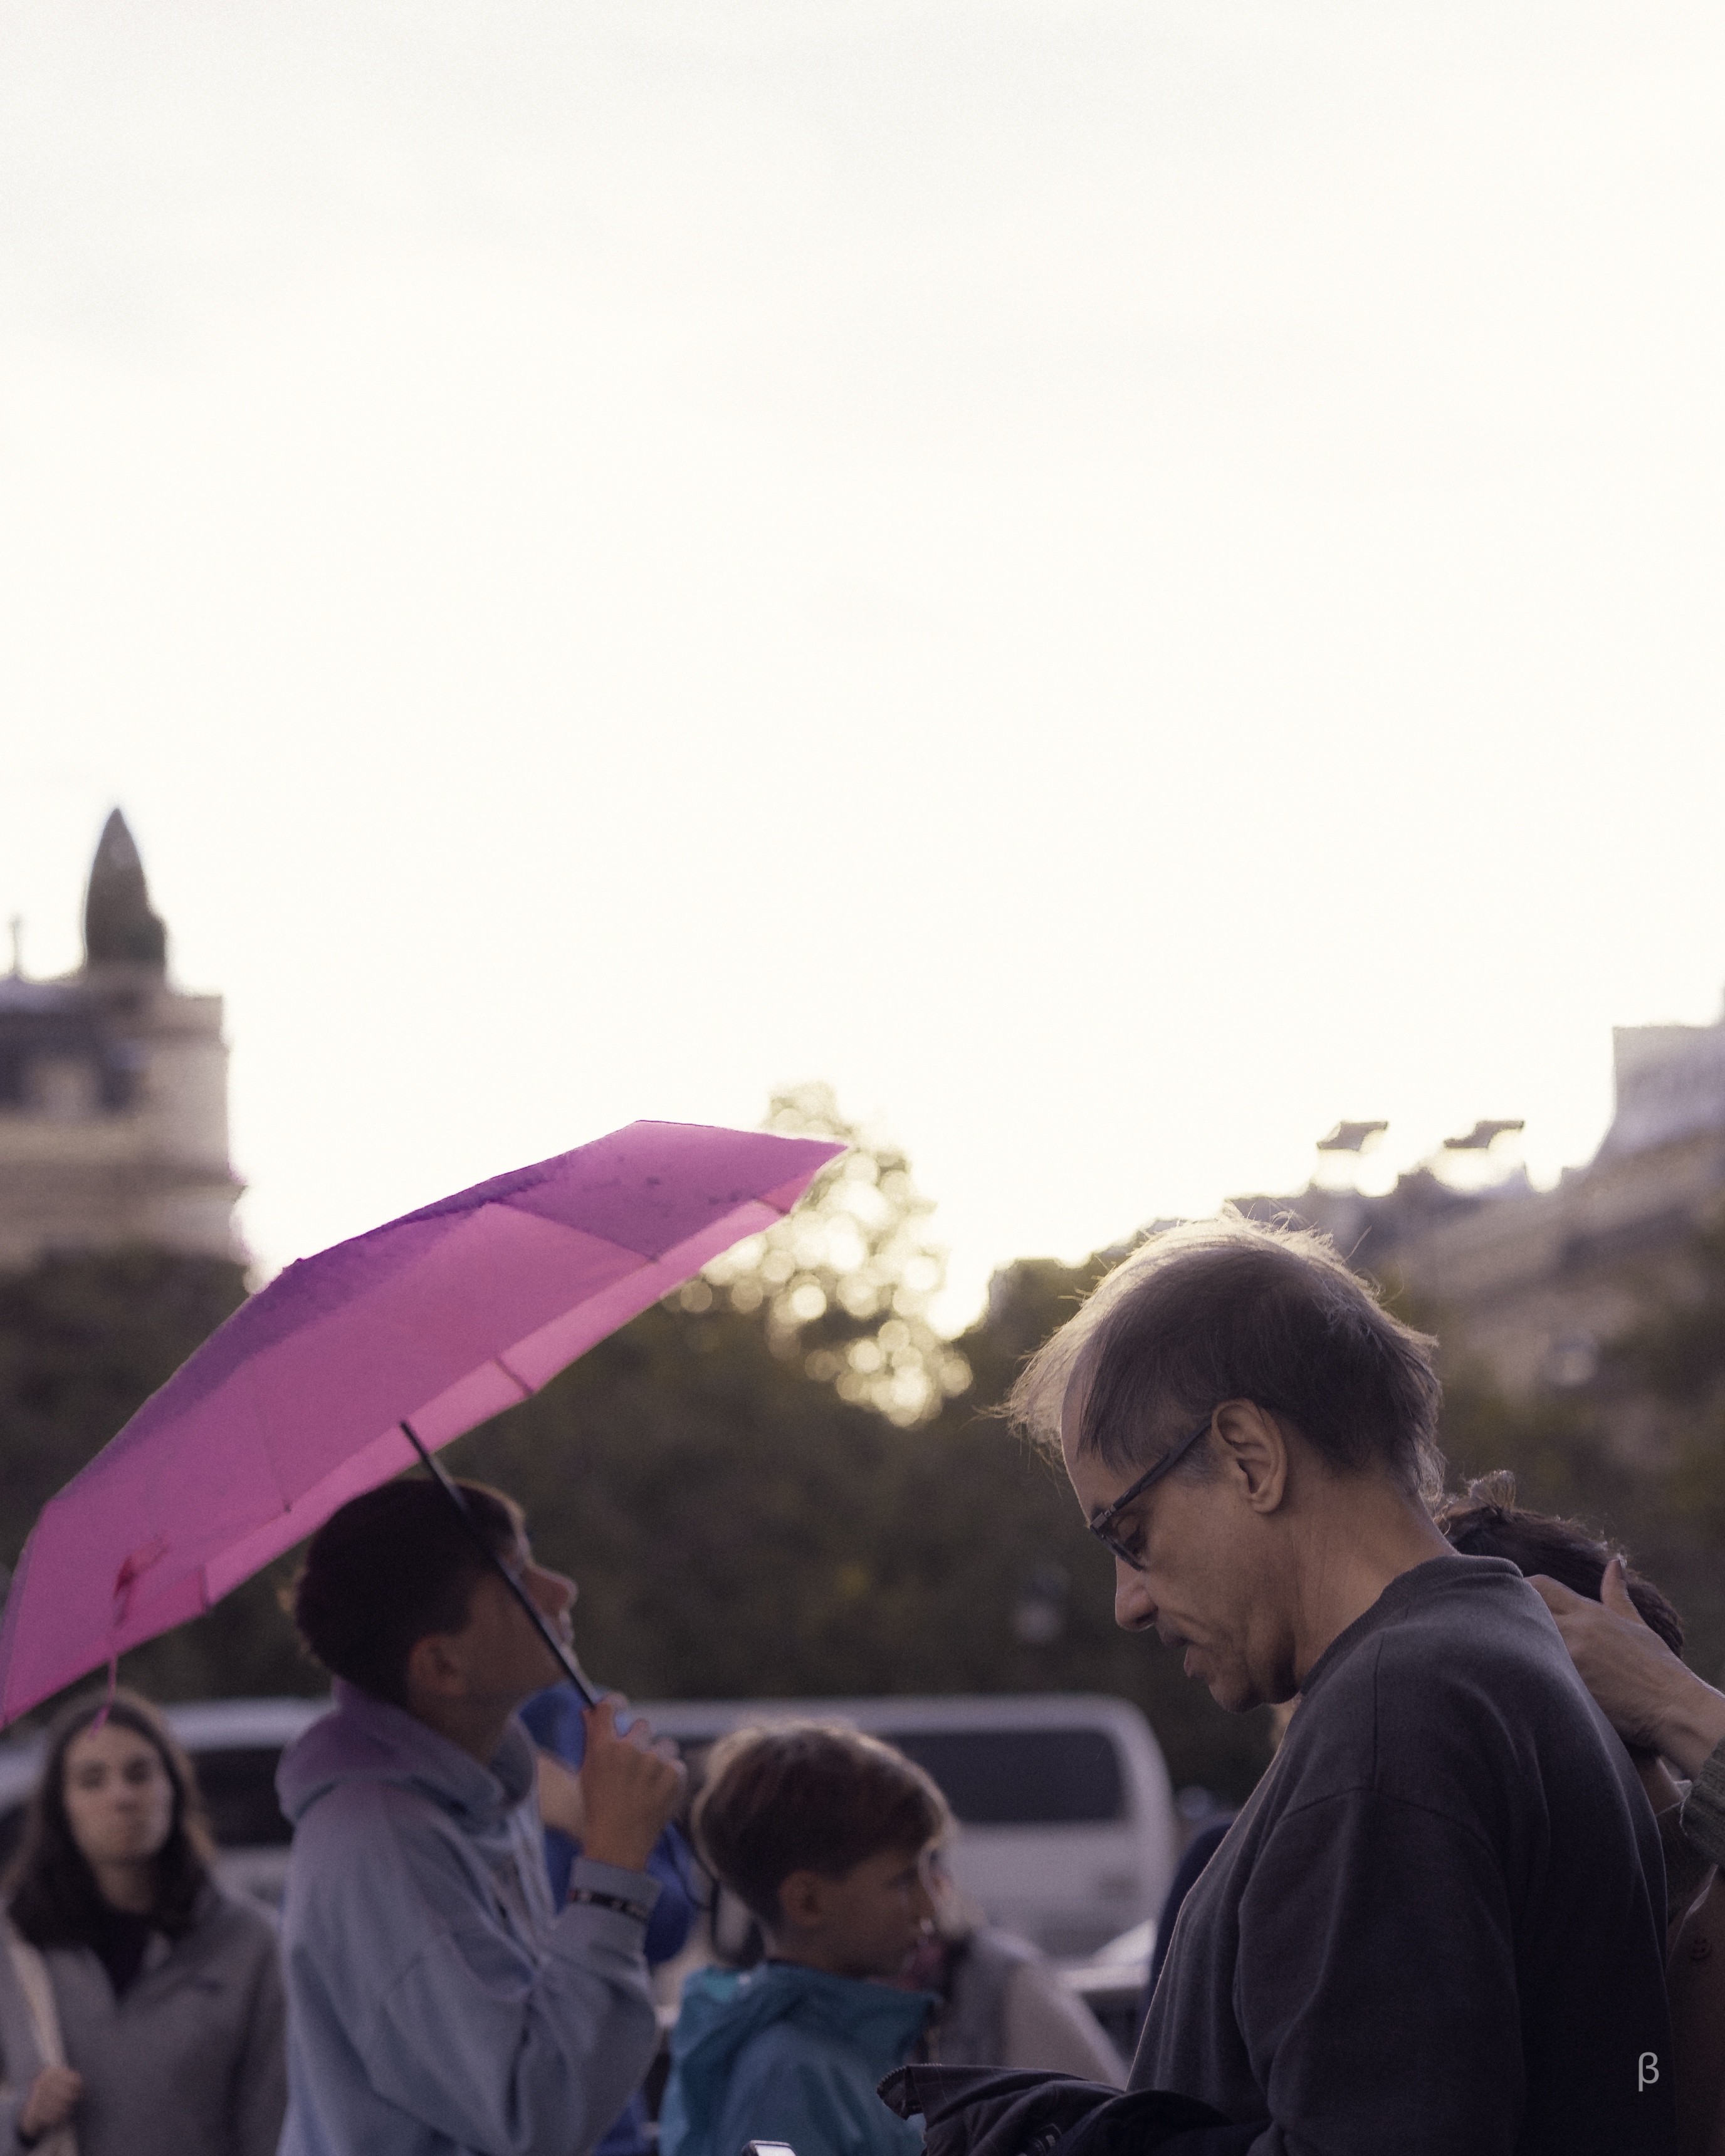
452,1489
519,1383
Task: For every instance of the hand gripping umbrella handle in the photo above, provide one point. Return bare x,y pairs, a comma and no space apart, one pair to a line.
457,1496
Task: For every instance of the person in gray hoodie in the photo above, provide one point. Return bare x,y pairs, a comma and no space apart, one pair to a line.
141,2009
438,2004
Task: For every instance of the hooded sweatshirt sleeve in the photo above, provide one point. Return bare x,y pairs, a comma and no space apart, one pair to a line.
404,1949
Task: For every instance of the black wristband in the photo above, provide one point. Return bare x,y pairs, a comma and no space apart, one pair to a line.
586,1898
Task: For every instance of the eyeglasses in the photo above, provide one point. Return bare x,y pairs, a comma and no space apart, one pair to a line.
1109,1514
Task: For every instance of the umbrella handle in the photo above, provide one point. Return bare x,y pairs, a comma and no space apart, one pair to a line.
453,1491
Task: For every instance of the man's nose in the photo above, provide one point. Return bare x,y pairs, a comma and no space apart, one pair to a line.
554,1592
1134,1605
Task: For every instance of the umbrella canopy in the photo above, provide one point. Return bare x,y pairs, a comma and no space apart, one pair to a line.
440,1319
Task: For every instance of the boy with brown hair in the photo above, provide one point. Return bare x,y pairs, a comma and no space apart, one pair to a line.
439,2004
827,1837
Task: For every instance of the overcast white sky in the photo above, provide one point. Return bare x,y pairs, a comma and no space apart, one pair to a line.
1120,580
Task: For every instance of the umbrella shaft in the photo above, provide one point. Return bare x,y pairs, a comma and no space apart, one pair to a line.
452,1489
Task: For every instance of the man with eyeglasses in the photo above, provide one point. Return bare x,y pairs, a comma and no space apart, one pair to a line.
1437,1924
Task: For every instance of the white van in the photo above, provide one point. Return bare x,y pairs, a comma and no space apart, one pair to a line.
1068,1832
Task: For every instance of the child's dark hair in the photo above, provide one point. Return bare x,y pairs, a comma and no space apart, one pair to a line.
53,1898
809,1796
391,1568
1488,1523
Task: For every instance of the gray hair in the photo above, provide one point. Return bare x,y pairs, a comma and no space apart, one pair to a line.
1231,1309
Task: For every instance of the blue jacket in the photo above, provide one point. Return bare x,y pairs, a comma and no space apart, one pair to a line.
439,2005
780,2053
554,1722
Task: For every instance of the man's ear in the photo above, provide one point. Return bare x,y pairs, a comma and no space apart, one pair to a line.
434,1667
1254,1452
803,1900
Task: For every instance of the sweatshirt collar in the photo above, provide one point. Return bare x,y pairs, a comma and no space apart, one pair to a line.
368,1739
1425,1583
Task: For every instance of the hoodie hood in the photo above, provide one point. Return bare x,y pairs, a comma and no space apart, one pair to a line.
439,2004
368,1740
725,2009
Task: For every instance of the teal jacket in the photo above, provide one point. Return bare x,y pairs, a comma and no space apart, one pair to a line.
780,2053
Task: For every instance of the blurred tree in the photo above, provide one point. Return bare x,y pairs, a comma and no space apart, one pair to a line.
1636,1454
847,1279
1674,1356
1664,1377
84,1342
711,1500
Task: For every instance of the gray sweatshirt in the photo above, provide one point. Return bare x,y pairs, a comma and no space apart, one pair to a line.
189,2063
439,2004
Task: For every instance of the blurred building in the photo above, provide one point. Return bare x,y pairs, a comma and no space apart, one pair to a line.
1535,1282
113,1090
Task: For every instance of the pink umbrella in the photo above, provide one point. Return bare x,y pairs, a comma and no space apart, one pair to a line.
353,1363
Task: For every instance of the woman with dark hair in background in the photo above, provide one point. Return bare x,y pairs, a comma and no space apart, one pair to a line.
141,2009
1488,1523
